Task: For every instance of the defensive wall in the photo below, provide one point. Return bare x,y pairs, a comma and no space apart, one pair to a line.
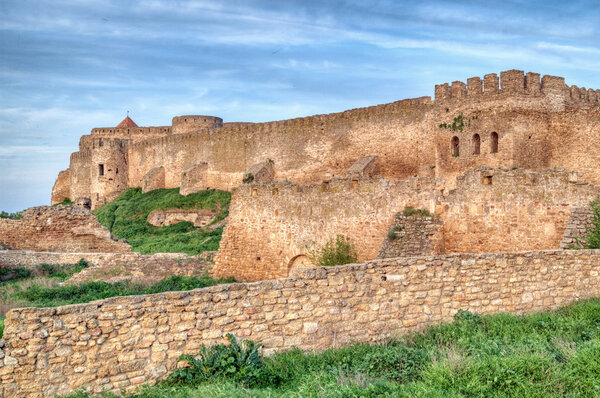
114,267
514,120
59,228
274,226
123,342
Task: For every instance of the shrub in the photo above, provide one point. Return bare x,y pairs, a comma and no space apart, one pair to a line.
8,273
411,211
12,216
391,235
233,361
593,233
337,251
65,202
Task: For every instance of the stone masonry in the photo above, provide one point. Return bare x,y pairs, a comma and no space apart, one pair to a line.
123,342
580,220
413,236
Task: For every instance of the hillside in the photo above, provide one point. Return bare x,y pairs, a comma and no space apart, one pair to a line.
126,218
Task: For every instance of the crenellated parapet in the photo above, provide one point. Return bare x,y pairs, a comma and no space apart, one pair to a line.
514,82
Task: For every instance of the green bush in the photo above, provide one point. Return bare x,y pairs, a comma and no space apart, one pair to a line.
12,216
337,251
593,233
411,211
2,325
9,273
65,202
239,363
248,178
126,217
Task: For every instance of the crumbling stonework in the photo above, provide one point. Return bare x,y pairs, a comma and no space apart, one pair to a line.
59,228
262,172
194,179
200,218
154,179
62,187
413,236
580,220
113,267
363,167
512,120
123,342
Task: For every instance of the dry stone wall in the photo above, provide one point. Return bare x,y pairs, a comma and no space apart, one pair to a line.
59,228
200,218
123,342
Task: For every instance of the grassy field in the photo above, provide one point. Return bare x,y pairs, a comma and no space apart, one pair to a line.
126,217
550,354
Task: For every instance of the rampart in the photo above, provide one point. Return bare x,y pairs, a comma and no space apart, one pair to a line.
273,227
123,342
58,228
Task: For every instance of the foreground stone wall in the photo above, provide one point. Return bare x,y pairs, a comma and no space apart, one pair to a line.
123,342
113,267
59,228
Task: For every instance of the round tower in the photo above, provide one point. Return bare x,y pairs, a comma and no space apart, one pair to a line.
187,123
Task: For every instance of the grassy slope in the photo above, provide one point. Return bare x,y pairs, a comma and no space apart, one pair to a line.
551,354
126,216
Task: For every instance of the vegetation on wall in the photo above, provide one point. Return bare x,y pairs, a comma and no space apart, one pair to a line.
337,251
592,238
248,178
126,217
411,211
548,354
65,202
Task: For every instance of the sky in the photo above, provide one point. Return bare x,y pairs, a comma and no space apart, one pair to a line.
69,66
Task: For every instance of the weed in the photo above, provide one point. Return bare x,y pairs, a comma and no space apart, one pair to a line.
337,251
593,233
411,211
248,178
65,202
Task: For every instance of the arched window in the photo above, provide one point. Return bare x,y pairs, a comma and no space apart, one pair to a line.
455,146
476,144
494,142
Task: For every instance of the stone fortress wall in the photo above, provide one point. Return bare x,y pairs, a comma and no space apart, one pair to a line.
123,342
274,226
514,120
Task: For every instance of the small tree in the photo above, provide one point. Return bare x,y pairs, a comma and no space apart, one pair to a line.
337,251
592,239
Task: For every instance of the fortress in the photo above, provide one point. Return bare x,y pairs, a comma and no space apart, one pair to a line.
503,170
517,120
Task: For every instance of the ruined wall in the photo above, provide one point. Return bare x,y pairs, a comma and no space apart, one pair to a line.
491,210
62,187
123,342
273,225
58,228
495,210
114,267
200,218
413,236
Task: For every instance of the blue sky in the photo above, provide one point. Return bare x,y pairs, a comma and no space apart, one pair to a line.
69,66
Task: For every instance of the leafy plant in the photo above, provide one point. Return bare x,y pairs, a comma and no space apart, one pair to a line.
248,178
9,273
391,234
238,362
65,202
337,251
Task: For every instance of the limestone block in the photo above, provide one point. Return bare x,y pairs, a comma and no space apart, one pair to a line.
363,167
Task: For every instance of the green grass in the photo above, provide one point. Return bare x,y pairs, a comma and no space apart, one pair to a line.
548,354
37,295
126,217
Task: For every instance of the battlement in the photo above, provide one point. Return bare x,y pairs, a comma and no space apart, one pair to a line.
81,154
127,131
514,81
